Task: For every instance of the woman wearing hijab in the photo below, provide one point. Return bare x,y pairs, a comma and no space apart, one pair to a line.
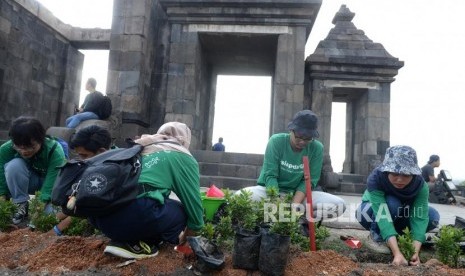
167,166
397,197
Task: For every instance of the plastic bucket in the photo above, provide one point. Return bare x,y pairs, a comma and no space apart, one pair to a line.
211,205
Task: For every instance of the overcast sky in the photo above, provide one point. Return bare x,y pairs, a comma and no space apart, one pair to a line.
427,97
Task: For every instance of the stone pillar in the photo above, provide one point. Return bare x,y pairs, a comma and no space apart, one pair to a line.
130,63
348,166
71,85
187,83
211,110
288,82
371,129
378,126
322,99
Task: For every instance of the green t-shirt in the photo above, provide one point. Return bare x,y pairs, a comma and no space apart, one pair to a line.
44,163
419,210
178,172
283,167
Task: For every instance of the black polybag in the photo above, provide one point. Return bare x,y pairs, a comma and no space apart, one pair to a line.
274,249
246,249
209,257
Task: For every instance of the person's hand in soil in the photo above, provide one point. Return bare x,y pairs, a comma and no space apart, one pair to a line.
65,222
415,260
399,259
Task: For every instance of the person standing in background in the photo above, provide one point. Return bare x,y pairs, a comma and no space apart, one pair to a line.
219,146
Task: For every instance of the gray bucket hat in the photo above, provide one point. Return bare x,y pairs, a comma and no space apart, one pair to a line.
402,160
305,122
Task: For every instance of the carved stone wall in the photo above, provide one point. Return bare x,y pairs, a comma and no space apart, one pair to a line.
40,71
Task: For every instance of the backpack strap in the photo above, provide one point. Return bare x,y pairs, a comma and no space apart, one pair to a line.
164,142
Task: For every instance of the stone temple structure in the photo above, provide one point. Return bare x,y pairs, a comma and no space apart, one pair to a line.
348,67
165,56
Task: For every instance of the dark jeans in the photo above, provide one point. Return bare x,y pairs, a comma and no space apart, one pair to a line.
399,214
144,220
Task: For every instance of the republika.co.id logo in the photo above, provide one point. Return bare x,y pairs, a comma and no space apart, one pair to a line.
95,183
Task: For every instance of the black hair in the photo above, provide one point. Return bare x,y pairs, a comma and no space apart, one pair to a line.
25,129
220,139
92,82
92,138
433,158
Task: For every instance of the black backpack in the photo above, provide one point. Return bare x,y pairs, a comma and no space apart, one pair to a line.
105,108
99,185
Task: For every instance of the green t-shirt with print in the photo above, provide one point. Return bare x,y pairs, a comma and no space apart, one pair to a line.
283,167
175,171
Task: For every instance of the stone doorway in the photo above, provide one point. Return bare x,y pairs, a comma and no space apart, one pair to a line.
228,54
338,135
242,112
231,38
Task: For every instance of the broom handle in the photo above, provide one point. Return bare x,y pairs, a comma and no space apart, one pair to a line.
308,185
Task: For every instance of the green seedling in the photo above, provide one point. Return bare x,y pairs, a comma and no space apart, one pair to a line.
406,244
447,247
79,227
7,209
208,231
41,221
243,210
224,231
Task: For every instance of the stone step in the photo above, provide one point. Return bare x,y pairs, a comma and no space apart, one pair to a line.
238,170
230,170
354,178
350,187
332,180
232,183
